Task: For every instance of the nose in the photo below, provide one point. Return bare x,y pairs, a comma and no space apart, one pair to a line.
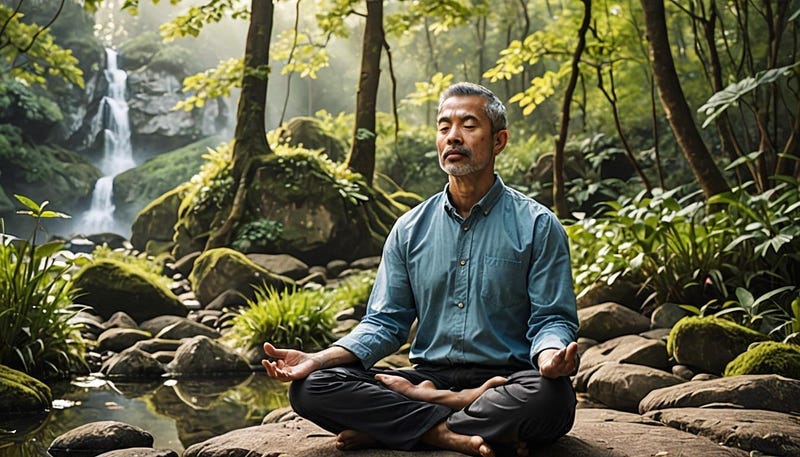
454,135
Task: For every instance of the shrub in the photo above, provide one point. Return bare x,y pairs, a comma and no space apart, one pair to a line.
37,303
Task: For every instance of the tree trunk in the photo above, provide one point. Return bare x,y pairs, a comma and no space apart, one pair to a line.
362,153
559,194
250,137
674,102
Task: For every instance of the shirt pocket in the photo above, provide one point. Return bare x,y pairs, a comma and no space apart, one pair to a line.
504,282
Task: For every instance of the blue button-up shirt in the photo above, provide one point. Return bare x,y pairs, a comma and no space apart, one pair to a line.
492,289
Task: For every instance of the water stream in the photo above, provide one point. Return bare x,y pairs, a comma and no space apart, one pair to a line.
117,153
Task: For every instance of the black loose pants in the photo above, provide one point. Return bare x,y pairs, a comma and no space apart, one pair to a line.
529,407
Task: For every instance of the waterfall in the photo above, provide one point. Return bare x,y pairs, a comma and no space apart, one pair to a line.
117,153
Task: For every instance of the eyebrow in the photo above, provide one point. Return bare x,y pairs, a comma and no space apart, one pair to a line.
464,118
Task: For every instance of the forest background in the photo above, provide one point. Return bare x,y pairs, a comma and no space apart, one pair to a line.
663,134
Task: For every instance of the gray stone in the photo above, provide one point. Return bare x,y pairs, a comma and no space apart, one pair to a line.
98,437
623,386
185,264
366,263
610,320
132,363
620,291
683,371
120,320
632,349
768,392
335,267
282,264
186,328
767,432
667,315
119,339
140,452
156,324
228,299
313,278
203,356
156,344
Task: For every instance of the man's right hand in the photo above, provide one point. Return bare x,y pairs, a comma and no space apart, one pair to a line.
288,364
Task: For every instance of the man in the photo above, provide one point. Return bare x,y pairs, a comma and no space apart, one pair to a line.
486,272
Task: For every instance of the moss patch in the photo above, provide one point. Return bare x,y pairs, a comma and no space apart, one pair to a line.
22,393
769,357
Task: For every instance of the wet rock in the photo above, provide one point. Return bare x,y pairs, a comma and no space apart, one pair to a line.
109,286
22,393
185,264
120,320
768,392
622,386
132,363
98,437
766,432
228,299
709,343
185,328
281,264
119,339
157,344
203,356
156,324
610,320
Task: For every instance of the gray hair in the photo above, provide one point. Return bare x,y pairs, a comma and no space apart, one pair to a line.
495,109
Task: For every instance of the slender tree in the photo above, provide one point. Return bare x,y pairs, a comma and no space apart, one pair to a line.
674,102
362,152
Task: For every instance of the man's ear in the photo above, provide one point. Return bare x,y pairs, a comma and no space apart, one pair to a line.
500,141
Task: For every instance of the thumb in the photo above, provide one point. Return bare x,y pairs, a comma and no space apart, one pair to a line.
274,352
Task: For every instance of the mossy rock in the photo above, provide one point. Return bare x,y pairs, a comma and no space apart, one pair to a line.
769,357
110,286
709,343
22,393
156,221
309,133
134,189
218,270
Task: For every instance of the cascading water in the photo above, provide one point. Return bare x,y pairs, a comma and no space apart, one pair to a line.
117,153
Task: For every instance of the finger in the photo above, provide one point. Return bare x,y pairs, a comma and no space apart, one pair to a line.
274,352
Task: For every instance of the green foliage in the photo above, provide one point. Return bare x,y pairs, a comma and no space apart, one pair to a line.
429,92
37,303
354,290
213,83
35,46
303,54
192,21
256,234
300,319
213,185
20,105
147,265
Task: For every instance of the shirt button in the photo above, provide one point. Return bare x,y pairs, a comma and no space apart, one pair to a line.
460,304
466,227
463,262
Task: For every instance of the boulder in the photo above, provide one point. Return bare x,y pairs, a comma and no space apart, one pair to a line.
609,320
120,320
622,386
109,286
218,270
156,324
119,339
769,357
20,393
761,432
631,349
709,343
768,392
156,221
140,452
310,133
667,315
620,291
281,264
186,328
96,438
202,356
132,363
366,263
156,345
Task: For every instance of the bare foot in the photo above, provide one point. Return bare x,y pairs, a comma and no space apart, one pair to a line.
440,436
426,391
350,440
522,449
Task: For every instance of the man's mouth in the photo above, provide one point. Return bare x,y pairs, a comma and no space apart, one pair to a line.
456,150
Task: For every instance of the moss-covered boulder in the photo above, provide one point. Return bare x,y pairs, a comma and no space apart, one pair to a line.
22,393
155,223
110,286
136,188
709,343
218,270
769,357
309,133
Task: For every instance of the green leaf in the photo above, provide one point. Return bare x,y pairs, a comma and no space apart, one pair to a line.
30,204
745,297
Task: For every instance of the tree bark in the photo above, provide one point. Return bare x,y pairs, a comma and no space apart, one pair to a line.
250,136
674,102
362,153
559,193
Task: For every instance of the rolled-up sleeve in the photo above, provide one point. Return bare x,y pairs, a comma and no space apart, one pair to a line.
390,311
553,323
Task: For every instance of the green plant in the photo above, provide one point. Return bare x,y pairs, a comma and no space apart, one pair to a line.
354,290
300,319
149,265
36,335
256,234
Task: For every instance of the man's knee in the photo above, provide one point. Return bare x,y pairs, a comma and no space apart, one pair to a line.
549,411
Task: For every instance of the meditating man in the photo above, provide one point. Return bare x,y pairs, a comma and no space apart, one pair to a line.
486,272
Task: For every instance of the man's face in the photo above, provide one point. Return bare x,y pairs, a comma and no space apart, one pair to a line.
464,139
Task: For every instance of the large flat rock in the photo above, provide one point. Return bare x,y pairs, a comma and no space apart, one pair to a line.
597,433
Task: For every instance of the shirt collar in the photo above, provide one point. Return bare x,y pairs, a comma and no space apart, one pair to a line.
485,204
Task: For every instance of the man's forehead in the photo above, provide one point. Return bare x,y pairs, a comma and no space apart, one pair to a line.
462,107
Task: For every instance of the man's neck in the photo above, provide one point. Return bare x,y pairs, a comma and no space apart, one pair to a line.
466,191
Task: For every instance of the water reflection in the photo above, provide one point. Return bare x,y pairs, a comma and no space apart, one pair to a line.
178,413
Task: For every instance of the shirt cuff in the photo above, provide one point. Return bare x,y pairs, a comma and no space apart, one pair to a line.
361,351
545,342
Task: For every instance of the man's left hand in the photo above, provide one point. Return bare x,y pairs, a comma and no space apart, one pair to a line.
554,363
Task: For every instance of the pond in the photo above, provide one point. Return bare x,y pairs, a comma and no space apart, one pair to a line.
178,413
